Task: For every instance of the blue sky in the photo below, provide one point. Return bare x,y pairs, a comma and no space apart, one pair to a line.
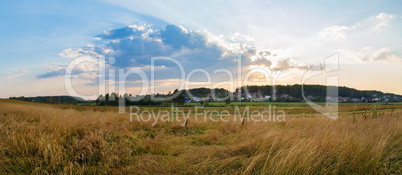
39,39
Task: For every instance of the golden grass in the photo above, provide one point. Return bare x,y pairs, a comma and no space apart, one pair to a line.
46,139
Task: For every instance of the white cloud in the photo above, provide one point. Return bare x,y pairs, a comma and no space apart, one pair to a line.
79,52
335,32
382,20
381,55
13,76
139,27
384,16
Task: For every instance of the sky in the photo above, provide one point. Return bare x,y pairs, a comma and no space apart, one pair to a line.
196,43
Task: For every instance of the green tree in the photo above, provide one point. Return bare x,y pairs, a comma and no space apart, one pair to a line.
107,99
179,100
100,100
227,101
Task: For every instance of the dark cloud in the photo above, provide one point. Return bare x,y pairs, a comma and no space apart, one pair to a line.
55,73
137,52
261,58
178,38
286,64
58,70
135,48
265,62
122,32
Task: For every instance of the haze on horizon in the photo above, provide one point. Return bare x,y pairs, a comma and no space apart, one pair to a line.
40,39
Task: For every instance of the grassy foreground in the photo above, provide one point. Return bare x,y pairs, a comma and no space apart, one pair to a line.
55,139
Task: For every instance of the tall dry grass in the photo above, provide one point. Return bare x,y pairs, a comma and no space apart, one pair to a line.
50,140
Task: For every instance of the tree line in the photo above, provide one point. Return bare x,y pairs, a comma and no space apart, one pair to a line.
316,93
314,90
115,99
51,99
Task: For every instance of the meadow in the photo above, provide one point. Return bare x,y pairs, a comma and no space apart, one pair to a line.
67,139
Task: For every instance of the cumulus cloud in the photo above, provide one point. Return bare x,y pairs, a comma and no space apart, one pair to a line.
262,58
125,32
286,64
381,55
382,20
134,46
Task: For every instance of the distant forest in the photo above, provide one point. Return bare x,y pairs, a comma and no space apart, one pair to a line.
315,91
52,99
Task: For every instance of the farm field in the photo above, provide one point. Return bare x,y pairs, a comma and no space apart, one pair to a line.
66,139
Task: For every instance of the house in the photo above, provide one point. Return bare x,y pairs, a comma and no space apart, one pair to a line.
355,100
196,99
